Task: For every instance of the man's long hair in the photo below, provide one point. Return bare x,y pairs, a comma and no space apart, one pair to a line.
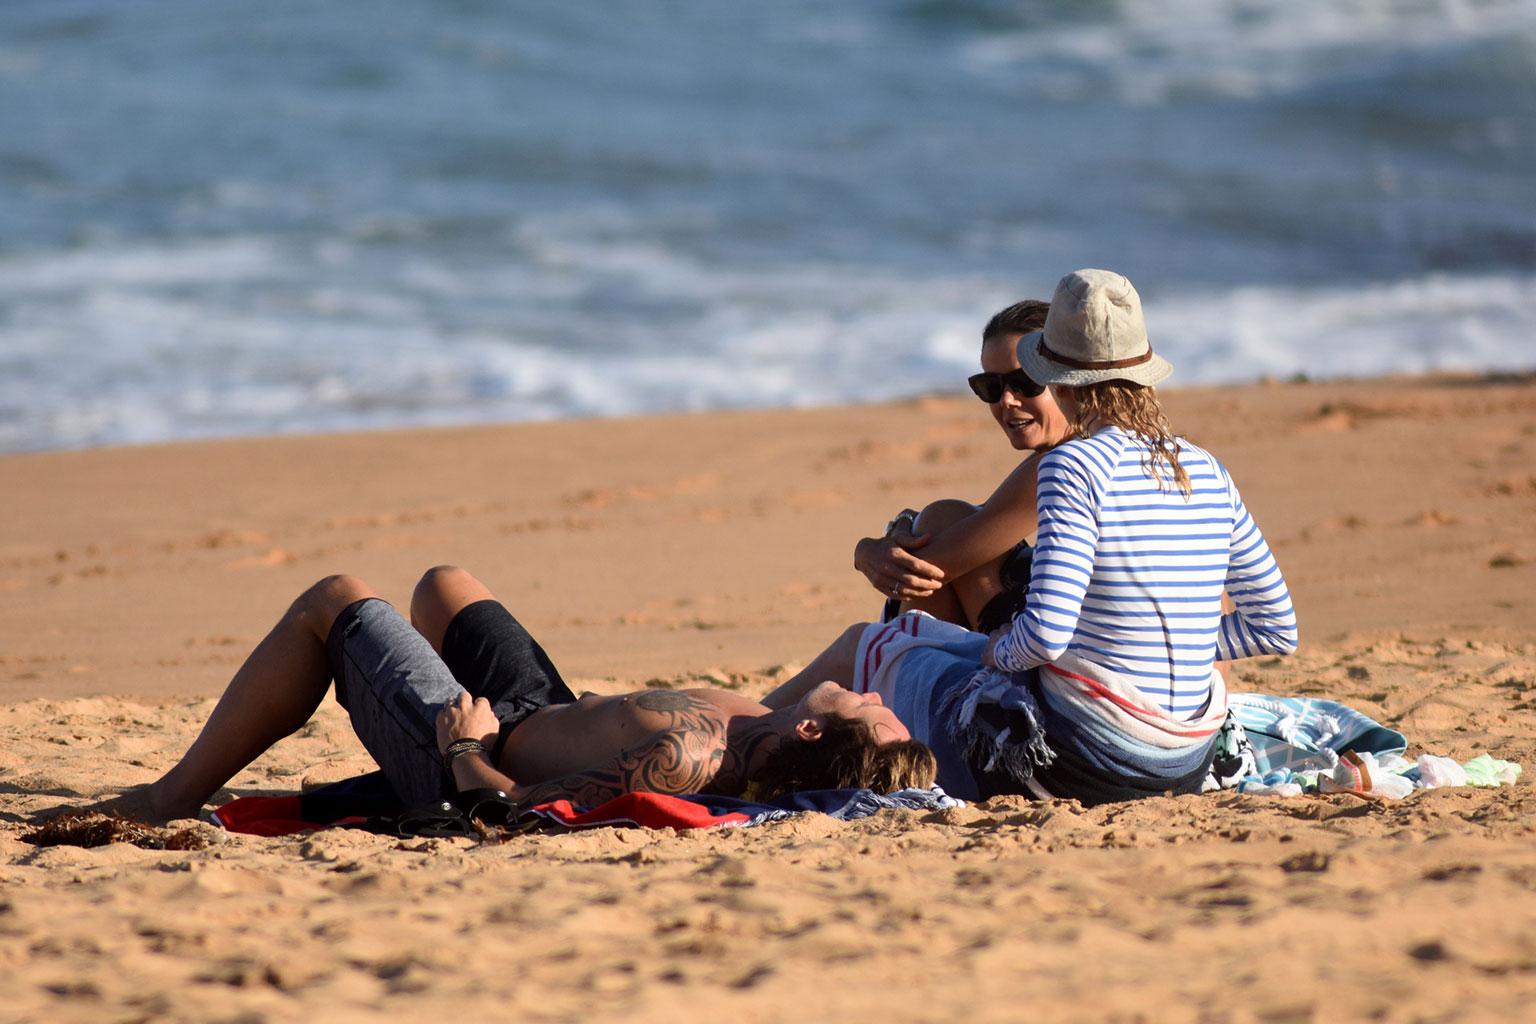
1134,408
847,756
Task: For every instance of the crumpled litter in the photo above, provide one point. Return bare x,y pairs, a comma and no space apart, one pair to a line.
1436,771
1362,773
1487,770
1388,775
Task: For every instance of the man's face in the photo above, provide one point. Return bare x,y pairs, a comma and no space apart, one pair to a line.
831,699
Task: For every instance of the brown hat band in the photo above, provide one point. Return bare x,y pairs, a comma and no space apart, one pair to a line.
1078,364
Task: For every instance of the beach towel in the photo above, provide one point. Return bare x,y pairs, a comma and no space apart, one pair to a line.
366,803
1307,733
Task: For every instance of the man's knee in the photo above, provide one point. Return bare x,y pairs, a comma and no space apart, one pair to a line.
318,606
441,593
942,514
438,581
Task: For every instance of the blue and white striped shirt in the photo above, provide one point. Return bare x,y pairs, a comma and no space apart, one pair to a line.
1128,575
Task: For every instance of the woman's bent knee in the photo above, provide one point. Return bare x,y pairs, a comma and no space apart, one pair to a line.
942,514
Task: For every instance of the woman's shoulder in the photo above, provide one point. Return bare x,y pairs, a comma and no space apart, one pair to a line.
1097,453
1189,452
1207,473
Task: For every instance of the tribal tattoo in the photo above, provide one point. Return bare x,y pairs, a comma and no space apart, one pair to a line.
746,748
683,756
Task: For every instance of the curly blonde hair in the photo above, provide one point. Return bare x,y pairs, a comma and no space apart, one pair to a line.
1135,408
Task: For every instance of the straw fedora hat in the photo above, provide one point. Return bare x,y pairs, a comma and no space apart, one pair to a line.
1094,332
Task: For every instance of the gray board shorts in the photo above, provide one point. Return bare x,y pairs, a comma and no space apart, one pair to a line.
393,684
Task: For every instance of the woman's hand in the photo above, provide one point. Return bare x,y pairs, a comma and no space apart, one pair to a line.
989,656
891,568
468,718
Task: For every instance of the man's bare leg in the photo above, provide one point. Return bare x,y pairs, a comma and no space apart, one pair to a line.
443,592
272,695
834,664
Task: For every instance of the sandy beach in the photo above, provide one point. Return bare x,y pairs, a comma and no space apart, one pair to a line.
716,550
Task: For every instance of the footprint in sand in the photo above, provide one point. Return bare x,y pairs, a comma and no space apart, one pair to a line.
231,539
1340,416
271,559
861,454
1512,487
86,573
944,454
217,641
1432,518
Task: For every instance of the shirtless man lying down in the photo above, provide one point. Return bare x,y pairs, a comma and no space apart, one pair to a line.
463,697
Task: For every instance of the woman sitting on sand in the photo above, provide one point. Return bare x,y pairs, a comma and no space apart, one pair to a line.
463,698
1104,687
973,569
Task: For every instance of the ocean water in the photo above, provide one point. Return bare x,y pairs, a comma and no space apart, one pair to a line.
228,218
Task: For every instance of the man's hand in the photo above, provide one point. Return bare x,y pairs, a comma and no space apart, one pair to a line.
469,718
891,568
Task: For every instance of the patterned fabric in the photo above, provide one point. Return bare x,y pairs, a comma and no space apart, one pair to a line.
1284,746
1234,759
650,810
1307,733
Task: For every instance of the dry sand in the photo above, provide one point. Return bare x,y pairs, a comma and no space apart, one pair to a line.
133,581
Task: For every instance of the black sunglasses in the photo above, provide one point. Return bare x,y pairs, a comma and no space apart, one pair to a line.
989,386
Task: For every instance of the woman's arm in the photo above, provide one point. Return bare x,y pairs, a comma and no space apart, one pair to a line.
962,547
1007,517
1060,570
889,565
1263,620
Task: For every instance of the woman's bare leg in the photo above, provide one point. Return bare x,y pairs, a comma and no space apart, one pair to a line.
834,664
272,695
443,592
961,599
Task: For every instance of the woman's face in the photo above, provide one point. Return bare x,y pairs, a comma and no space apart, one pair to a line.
1030,423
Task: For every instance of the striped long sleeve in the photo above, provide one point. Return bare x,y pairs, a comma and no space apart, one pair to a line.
1263,620
1062,565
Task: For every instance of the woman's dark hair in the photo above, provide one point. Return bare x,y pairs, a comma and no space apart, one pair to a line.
1020,318
847,756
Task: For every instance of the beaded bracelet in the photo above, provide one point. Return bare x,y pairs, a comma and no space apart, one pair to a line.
458,748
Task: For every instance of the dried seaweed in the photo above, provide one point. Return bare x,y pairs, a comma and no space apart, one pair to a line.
90,829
